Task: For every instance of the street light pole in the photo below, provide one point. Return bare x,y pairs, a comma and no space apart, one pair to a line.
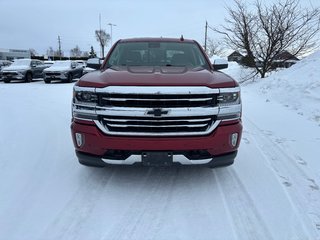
205,37
111,24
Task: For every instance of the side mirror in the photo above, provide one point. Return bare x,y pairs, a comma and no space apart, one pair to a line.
220,64
33,65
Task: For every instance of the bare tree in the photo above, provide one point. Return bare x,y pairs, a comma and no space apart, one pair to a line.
214,47
85,54
269,30
58,54
103,38
50,52
75,52
33,52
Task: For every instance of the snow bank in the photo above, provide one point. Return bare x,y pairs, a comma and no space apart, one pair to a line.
297,87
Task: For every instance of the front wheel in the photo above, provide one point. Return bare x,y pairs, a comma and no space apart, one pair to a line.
47,80
69,78
28,77
6,80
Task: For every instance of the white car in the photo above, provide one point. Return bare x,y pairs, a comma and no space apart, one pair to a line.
64,71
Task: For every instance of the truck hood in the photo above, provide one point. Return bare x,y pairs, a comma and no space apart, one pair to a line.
16,68
156,76
56,69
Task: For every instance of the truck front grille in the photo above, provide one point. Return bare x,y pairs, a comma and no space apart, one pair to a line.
152,111
158,100
153,125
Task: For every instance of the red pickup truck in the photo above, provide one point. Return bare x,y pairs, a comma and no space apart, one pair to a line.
157,102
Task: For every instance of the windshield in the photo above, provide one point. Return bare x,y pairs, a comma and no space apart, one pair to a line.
61,64
170,54
21,62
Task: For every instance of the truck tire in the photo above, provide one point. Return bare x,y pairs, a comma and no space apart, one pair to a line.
6,80
47,80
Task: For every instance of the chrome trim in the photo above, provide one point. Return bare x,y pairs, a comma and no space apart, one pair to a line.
129,161
160,126
83,119
84,89
156,99
172,112
157,120
229,90
138,159
172,134
230,109
157,90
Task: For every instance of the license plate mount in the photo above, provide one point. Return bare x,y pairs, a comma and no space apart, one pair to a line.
157,159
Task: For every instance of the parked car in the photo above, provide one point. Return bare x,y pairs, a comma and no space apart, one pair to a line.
64,71
23,69
88,69
157,102
48,63
93,64
82,63
4,63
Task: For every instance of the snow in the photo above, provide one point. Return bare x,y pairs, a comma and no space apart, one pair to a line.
271,192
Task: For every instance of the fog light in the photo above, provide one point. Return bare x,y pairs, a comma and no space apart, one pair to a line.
234,139
79,139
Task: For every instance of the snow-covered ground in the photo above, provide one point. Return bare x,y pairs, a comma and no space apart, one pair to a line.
271,192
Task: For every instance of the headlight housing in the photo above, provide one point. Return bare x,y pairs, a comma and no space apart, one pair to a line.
229,102
85,101
85,97
229,98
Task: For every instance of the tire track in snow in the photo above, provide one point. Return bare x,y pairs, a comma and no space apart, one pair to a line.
301,186
247,222
145,213
75,211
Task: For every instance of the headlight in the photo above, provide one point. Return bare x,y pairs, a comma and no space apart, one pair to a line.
228,98
85,95
85,101
229,102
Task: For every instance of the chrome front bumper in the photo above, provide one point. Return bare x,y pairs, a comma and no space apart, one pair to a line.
216,161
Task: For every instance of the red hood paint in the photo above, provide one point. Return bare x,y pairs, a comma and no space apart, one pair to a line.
150,76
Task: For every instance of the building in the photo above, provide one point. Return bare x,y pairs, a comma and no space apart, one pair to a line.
10,54
235,57
284,60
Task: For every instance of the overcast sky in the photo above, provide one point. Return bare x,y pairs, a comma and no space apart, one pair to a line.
36,24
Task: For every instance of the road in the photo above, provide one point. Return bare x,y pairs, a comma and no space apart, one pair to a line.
271,192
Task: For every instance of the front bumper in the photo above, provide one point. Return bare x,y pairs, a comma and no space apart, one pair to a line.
13,75
96,145
56,76
97,161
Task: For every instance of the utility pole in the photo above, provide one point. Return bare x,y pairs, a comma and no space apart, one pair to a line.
205,37
59,42
100,35
111,24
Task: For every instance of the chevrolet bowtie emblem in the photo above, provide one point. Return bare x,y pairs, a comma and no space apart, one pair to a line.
157,112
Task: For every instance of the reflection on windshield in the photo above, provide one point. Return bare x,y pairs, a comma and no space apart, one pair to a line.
21,62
